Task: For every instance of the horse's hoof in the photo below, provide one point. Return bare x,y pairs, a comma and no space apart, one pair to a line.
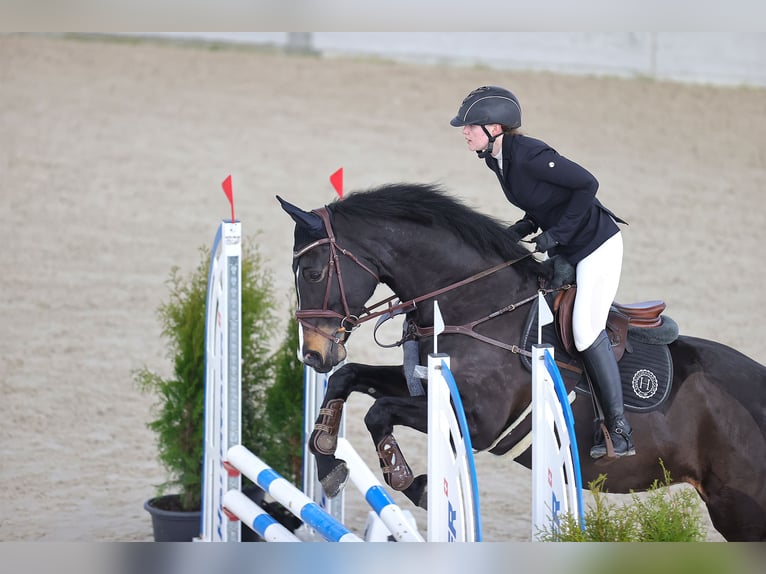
334,481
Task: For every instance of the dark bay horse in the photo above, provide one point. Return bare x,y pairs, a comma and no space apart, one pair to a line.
416,239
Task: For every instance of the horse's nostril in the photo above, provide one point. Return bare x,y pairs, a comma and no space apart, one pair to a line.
312,359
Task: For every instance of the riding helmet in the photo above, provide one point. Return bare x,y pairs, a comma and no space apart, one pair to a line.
489,105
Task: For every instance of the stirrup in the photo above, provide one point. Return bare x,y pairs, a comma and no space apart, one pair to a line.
606,447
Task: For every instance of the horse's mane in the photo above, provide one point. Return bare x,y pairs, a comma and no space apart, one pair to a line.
431,205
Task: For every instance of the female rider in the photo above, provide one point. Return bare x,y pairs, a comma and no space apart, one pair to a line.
558,196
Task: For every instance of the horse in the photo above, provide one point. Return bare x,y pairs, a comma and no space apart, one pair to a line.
425,244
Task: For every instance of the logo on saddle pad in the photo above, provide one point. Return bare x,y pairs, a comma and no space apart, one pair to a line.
645,383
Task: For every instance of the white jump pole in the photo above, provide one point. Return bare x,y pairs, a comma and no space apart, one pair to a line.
376,495
256,518
288,495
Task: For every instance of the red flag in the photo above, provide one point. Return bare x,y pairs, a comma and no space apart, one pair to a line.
229,195
336,180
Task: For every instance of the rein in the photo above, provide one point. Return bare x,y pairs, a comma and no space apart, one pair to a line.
391,310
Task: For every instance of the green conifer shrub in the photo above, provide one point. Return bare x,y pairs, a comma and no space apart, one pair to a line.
179,421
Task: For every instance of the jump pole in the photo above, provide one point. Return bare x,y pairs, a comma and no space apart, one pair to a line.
288,495
239,507
376,495
261,522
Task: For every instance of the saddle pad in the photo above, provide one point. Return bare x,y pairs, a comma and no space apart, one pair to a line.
646,369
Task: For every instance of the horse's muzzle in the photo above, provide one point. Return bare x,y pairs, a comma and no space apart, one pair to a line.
323,353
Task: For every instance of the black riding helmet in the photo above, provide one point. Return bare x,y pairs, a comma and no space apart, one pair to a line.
489,105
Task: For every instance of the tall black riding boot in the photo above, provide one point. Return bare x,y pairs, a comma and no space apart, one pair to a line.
601,365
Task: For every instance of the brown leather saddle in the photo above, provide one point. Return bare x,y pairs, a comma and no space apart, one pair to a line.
644,315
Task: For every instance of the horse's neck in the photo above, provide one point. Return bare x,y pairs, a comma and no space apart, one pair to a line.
427,268
439,264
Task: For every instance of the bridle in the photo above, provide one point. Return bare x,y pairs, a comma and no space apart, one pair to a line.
349,321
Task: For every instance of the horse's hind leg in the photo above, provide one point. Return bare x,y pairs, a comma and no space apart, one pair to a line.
375,381
380,420
737,516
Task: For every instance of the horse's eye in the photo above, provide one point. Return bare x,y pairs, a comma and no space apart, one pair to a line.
313,275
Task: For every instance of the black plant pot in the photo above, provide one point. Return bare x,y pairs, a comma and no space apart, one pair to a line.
172,525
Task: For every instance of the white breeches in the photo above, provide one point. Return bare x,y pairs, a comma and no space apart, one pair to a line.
598,277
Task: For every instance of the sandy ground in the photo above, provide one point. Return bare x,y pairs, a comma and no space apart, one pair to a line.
111,159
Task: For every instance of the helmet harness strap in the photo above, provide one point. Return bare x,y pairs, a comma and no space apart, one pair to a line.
485,152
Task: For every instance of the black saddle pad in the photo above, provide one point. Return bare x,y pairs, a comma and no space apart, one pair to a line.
646,369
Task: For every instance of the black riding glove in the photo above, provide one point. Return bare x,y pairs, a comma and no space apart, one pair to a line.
544,242
521,228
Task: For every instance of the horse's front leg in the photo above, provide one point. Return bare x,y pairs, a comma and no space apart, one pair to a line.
376,381
380,420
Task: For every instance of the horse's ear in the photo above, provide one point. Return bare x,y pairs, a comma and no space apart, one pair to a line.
308,226
311,221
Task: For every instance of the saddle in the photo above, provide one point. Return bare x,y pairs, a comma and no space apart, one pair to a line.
643,315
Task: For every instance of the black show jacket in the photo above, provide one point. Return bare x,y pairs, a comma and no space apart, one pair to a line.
556,194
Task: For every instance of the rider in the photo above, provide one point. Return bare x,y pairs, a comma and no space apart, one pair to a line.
558,196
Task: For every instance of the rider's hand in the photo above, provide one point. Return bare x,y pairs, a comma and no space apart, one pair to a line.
521,228
544,242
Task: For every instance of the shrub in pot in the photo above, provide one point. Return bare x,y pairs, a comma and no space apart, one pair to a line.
179,421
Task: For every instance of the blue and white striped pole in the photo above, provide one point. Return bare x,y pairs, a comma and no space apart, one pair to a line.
289,496
376,495
256,518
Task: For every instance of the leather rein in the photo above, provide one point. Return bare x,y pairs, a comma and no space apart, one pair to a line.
349,321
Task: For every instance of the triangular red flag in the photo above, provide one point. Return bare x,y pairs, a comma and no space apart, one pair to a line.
229,195
336,180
